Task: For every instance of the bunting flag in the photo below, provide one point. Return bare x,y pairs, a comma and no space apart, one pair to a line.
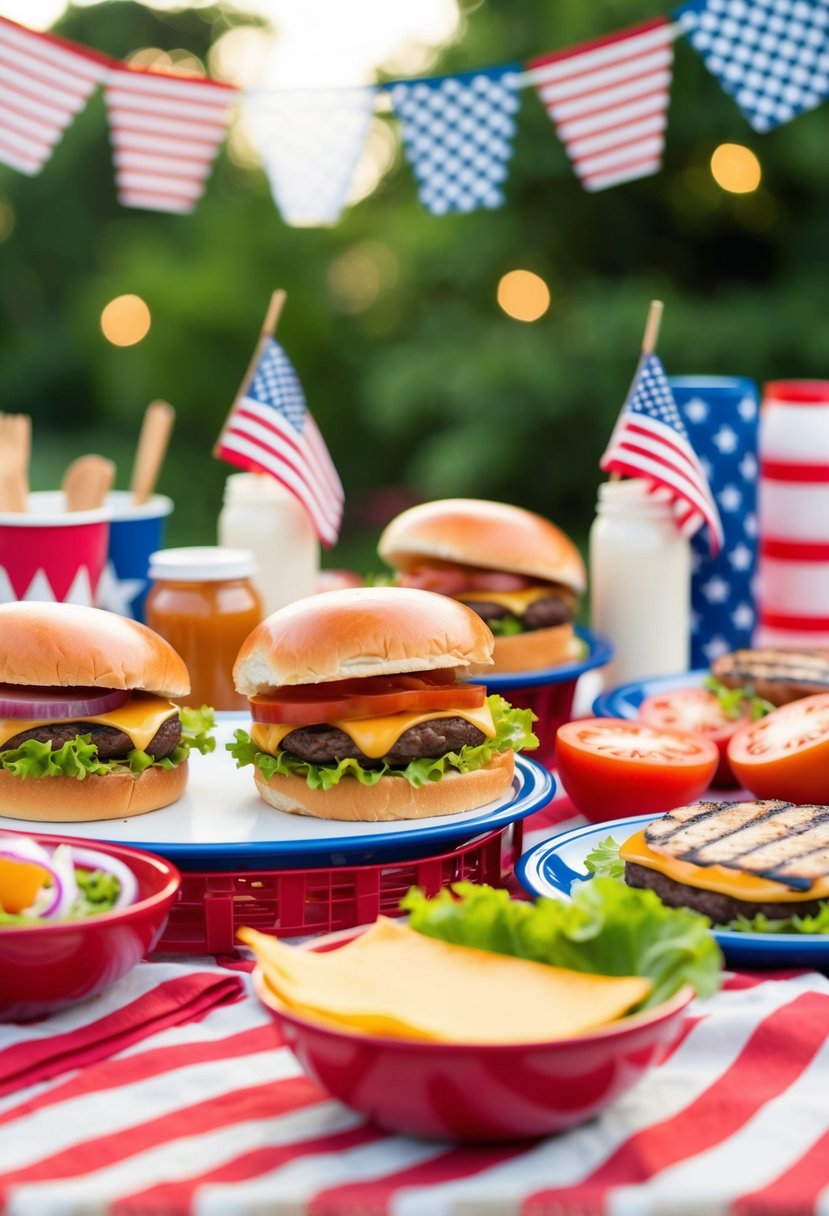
165,132
608,100
44,83
650,441
771,56
310,141
270,430
457,131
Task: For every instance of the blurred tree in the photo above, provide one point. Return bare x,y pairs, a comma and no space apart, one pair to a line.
421,384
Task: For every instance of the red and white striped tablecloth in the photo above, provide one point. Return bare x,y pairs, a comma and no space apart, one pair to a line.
172,1095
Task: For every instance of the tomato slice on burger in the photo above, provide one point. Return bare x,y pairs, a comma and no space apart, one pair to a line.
611,767
369,697
786,754
698,712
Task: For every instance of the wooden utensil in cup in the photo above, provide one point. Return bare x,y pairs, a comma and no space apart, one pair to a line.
87,481
152,448
15,446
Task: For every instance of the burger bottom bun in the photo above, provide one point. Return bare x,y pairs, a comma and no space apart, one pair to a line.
534,650
391,797
66,800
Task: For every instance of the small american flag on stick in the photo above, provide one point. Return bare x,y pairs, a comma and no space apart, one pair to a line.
270,430
650,440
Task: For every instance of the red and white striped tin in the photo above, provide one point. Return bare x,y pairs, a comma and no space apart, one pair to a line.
793,509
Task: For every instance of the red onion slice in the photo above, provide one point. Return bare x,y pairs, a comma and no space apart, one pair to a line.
91,859
55,704
54,900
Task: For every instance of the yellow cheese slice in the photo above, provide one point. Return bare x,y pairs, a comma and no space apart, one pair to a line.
516,602
721,879
140,718
375,736
398,983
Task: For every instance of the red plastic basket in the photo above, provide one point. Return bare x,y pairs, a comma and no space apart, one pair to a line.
294,903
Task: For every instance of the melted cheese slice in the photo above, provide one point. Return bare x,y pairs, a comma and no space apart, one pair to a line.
721,879
375,736
516,602
140,718
395,982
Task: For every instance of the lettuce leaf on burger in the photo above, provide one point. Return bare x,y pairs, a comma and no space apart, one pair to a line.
358,712
87,730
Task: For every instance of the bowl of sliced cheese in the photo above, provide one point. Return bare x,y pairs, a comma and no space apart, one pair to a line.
433,1038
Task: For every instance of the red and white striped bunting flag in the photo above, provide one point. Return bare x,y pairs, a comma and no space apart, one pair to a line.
215,1118
44,82
165,132
609,100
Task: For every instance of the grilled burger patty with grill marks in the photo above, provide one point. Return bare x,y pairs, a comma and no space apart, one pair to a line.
112,744
779,676
773,840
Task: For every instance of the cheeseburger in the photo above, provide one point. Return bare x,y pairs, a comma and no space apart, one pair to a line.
358,712
515,569
88,731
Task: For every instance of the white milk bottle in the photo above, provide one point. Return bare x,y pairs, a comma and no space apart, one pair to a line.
261,515
640,582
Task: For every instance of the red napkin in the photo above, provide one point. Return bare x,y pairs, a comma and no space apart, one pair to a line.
152,998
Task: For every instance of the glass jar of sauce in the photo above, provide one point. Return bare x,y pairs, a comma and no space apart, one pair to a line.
203,601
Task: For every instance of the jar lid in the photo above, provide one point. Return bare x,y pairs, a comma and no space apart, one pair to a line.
202,564
797,392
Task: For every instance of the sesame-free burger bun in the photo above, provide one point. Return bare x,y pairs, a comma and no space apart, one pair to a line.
391,797
360,631
113,796
488,535
67,645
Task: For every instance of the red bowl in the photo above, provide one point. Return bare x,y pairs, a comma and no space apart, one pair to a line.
473,1093
44,968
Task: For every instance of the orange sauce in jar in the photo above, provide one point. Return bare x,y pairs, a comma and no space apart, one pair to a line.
202,600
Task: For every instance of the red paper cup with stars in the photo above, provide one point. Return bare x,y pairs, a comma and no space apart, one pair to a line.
49,553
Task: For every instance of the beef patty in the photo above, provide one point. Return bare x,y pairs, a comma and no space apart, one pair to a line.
542,614
112,744
719,908
323,744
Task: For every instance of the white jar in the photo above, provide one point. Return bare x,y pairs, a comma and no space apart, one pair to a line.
640,582
261,515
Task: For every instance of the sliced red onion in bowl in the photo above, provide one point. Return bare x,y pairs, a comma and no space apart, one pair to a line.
56,704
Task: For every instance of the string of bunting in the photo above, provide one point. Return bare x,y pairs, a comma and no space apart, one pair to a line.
607,100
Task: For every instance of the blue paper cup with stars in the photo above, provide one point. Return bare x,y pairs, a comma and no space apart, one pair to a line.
135,531
721,414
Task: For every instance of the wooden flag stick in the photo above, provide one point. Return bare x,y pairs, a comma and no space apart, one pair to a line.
268,331
651,335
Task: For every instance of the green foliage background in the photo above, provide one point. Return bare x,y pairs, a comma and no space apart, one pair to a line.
430,390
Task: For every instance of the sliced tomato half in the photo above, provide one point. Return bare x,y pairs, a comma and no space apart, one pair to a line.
611,767
786,754
698,712
370,697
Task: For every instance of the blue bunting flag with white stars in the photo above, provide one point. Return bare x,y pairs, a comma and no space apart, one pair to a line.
457,132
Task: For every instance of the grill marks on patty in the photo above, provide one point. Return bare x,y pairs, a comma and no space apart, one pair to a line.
112,744
323,744
769,839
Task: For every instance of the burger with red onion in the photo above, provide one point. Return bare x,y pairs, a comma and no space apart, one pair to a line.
87,729
359,712
515,569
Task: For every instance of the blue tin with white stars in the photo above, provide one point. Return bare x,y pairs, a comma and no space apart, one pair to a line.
135,531
721,414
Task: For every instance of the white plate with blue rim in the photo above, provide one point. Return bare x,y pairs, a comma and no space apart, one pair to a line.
551,868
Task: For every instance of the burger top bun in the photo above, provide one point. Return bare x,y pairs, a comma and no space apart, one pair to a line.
360,631
491,535
67,645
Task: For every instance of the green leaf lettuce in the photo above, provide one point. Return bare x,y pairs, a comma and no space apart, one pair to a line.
607,928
